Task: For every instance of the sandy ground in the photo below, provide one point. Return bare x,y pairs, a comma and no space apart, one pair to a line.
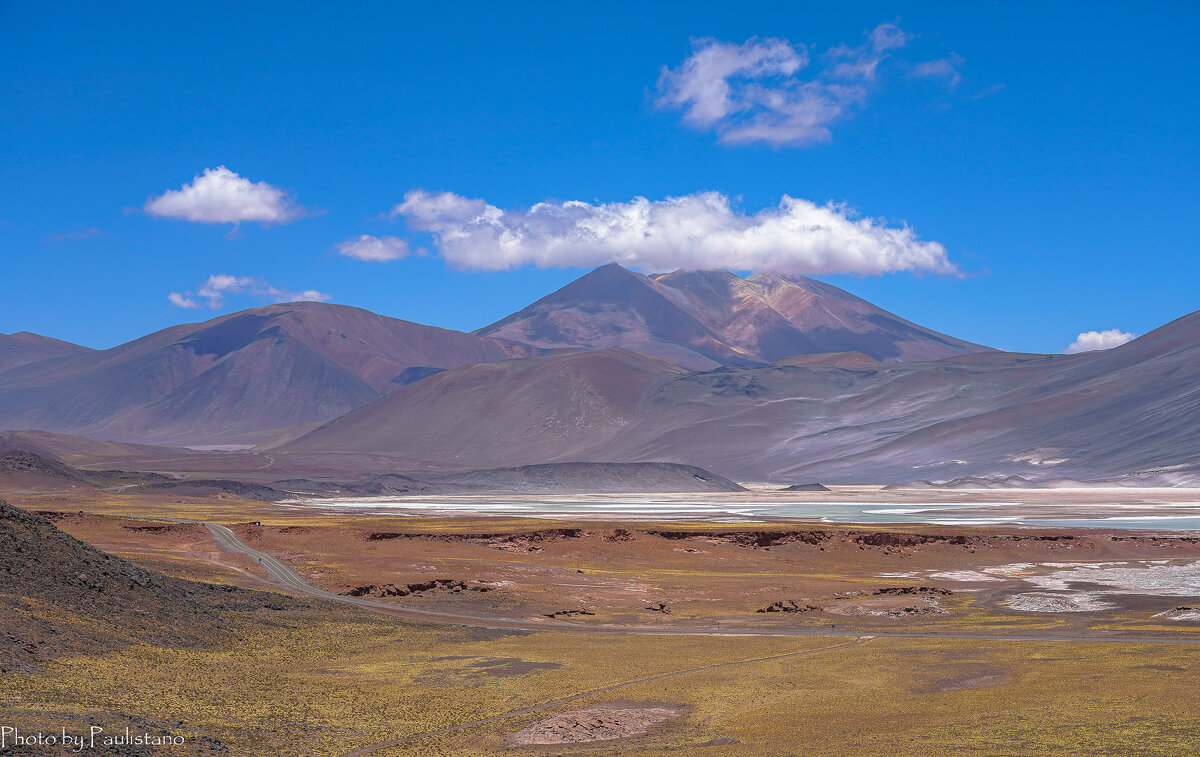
678,574
1011,649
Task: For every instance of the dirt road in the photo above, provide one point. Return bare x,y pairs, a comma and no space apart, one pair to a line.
290,579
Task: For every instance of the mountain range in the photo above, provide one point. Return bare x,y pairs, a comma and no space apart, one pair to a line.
246,377
1130,413
762,378
235,379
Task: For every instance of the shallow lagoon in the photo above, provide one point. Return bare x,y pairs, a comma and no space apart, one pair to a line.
1173,516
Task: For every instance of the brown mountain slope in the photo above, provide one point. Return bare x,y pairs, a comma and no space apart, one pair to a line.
80,450
829,360
545,409
545,478
573,478
23,347
702,319
1131,413
238,378
39,469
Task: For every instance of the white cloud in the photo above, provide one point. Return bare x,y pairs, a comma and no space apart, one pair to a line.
1098,340
694,231
709,86
221,196
943,68
212,293
754,91
374,249
182,300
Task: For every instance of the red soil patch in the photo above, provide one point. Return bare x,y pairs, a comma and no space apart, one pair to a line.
602,722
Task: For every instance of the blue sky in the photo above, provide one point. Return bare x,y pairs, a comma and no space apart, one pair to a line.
1049,156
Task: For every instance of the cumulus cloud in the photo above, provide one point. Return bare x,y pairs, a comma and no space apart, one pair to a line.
701,230
757,90
213,292
374,249
221,196
1098,340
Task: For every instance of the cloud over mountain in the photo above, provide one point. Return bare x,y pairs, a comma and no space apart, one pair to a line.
696,231
1098,340
221,196
212,293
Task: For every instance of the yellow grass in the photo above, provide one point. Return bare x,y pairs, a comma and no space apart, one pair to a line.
328,682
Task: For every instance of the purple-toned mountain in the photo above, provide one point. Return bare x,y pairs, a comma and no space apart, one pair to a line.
1129,414
553,408
702,319
23,347
239,378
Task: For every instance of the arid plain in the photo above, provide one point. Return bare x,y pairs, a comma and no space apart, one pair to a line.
494,634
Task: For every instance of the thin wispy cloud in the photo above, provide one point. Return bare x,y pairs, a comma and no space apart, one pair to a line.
221,196
862,62
374,249
212,293
703,230
77,236
769,90
948,69
986,91
1098,340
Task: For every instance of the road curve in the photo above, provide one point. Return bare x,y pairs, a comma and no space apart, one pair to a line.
290,579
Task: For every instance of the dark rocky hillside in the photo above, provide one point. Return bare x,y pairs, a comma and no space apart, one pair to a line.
61,596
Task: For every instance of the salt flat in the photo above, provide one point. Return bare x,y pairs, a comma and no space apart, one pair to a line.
1111,508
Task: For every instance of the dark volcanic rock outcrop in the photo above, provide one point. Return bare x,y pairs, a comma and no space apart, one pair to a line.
806,488
420,588
569,613
29,464
752,539
62,596
788,605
